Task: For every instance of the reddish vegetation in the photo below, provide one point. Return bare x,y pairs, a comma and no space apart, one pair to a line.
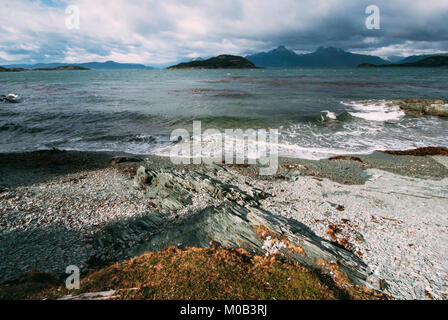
429,295
341,279
27,285
201,273
426,151
126,165
333,231
220,273
346,158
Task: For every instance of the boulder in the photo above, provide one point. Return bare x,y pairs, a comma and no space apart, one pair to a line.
12,98
173,190
142,178
344,116
421,106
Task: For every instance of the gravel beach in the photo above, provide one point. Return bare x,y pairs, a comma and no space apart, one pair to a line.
397,225
390,211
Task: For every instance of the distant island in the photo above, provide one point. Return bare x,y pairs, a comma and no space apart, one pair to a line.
416,58
2,69
224,61
60,68
108,65
431,62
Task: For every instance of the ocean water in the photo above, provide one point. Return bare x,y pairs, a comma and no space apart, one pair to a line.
319,112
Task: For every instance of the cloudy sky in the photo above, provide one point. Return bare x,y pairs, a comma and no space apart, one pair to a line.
156,32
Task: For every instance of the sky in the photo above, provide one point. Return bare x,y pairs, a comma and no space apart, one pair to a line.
156,32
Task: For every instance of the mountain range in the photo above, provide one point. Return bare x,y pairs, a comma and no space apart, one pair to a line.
281,57
322,57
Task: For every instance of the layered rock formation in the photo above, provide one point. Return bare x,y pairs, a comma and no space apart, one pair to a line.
232,217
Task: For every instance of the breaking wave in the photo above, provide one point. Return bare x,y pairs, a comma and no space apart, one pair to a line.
375,110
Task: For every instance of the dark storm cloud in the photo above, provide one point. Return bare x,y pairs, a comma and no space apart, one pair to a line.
157,32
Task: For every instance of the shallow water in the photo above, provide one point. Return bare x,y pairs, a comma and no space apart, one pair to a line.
136,110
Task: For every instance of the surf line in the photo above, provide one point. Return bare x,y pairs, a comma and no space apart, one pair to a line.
235,146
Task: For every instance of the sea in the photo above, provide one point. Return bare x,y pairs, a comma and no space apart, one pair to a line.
318,112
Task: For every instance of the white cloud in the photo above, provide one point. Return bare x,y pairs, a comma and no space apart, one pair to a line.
157,32
408,48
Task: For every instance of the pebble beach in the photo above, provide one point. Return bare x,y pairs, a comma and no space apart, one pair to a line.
391,215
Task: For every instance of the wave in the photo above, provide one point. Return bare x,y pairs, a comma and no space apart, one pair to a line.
11,127
374,110
254,149
328,116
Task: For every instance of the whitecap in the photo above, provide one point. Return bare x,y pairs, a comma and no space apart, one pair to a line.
375,110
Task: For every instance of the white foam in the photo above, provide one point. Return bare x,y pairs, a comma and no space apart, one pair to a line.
327,114
374,110
284,148
315,153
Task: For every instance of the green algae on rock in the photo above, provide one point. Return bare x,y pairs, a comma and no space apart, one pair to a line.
423,106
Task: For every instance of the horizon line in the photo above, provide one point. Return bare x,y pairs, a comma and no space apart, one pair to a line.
161,65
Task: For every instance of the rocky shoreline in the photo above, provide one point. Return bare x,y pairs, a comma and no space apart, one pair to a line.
423,107
380,219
